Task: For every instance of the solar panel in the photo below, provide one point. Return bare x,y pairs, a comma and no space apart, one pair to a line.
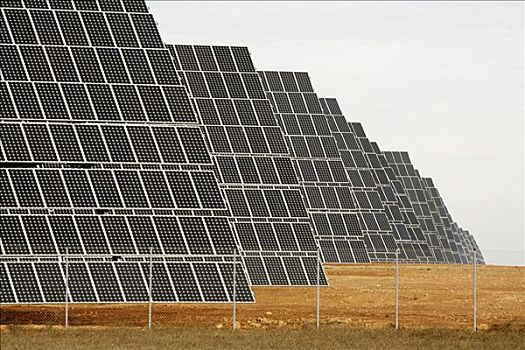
102,154
252,162
320,169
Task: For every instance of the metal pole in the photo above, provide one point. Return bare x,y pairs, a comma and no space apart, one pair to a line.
150,304
397,288
318,287
474,296
66,321
234,288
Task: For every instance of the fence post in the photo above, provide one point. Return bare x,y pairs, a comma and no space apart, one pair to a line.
397,288
318,287
150,302
234,311
474,292
66,320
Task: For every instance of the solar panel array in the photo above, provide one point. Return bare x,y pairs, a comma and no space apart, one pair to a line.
431,212
422,204
114,146
418,242
253,164
440,212
471,247
102,154
464,245
317,161
405,226
374,224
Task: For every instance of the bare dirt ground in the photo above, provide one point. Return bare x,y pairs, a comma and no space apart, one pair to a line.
359,296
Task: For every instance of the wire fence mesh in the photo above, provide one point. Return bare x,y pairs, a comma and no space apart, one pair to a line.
358,295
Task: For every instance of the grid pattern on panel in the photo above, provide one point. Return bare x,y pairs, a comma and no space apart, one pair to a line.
316,159
372,220
102,155
252,163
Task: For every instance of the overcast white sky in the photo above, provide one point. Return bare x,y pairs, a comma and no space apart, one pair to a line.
441,80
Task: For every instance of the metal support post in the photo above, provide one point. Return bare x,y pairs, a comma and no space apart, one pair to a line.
150,303
66,321
474,292
318,291
234,311
397,288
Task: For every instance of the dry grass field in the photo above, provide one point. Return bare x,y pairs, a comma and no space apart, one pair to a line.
357,311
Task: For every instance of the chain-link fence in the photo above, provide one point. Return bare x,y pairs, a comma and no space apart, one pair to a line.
372,295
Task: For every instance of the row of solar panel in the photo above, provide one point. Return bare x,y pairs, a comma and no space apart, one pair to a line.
98,102
223,85
248,112
321,170
379,242
430,235
397,158
366,146
84,28
333,223
343,251
417,252
367,221
405,226
211,58
121,282
286,81
370,185
294,102
363,178
109,234
102,143
305,124
421,209
354,158
249,170
312,147
97,188
85,64
79,5
266,203
346,142
441,214
246,139
328,197
406,230
287,270
400,211
445,248
255,170
275,236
